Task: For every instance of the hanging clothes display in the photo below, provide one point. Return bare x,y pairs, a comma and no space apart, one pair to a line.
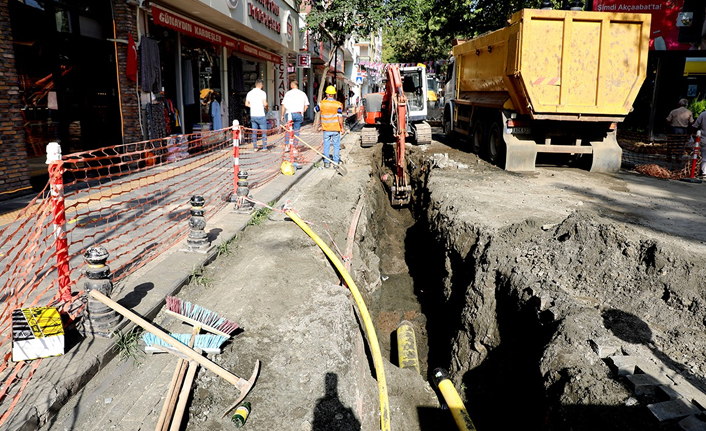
157,126
216,114
150,65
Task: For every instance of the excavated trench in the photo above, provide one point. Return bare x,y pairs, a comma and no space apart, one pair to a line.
526,317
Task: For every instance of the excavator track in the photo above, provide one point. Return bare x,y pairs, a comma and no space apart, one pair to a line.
422,133
369,137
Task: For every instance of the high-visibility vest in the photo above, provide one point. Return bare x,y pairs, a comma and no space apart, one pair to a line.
329,115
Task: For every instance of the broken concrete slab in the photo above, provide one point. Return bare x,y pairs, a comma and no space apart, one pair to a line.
673,409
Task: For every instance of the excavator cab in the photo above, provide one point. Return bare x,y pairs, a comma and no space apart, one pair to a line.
414,85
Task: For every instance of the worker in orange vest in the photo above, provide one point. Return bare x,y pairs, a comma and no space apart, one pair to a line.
332,124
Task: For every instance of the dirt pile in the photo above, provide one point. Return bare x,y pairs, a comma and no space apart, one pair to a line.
538,291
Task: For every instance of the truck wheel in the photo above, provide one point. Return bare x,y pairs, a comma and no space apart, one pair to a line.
477,138
448,132
496,145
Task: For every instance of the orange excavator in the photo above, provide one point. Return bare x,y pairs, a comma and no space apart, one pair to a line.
391,108
402,107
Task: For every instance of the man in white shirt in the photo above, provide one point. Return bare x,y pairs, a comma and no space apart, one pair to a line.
256,100
295,103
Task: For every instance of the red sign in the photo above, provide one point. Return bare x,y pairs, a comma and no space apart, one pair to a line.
304,60
192,28
671,28
254,51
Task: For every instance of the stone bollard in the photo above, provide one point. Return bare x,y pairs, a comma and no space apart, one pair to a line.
198,238
98,319
242,205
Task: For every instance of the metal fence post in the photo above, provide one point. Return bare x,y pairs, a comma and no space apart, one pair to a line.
56,183
236,156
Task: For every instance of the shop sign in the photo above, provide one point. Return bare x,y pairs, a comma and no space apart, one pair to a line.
304,39
280,81
676,25
304,61
316,50
266,14
191,28
290,28
254,51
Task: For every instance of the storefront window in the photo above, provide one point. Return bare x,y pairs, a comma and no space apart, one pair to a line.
67,81
242,76
201,63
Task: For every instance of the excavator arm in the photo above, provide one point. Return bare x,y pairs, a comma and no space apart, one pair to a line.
401,190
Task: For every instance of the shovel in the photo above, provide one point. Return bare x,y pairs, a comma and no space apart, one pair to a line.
339,167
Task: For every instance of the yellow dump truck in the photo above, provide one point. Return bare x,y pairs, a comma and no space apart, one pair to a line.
552,81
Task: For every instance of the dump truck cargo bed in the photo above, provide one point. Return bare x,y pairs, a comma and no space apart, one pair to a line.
557,65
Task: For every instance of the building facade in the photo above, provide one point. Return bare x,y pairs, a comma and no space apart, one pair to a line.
96,73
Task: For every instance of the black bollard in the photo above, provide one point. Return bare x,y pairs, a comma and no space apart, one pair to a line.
242,204
198,238
98,319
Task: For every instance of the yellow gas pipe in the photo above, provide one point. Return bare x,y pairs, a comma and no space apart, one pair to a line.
453,400
365,315
407,346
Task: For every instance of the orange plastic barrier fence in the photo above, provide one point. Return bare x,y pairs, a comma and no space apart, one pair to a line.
134,200
669,157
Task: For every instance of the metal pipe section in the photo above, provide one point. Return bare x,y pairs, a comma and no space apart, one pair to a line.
407,346
453,400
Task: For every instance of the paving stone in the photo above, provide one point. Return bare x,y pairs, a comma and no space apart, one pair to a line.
604,348
668,392
623,365
673,409
643,384
692,423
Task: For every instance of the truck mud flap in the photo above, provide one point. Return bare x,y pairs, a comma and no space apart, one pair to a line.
520,155
607,155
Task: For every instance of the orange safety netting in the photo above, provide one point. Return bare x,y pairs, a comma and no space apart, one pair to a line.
670,156
134,200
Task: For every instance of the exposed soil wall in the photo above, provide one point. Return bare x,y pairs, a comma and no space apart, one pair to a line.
533,302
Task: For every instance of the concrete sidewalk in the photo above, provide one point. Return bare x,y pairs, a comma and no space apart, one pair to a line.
57,379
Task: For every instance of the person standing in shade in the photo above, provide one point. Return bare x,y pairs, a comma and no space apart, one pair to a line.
331,123
256,100
295,103
679,119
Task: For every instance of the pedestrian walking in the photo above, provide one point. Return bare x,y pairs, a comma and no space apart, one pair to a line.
332,124
679,119
294,104
256,100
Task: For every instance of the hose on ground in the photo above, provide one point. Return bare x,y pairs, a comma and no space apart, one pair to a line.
365,315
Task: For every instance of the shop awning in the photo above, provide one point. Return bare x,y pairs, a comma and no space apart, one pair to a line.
695,66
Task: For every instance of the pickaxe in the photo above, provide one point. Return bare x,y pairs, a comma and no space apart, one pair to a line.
243,385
